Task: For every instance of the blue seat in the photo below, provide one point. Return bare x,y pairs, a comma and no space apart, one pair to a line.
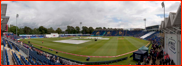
25,61
32,62
17,60
7,59
9,45
38,63
4,57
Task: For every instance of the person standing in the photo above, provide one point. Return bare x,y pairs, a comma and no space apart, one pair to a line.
22,43
42,42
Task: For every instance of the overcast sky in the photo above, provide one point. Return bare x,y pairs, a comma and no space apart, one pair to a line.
122,14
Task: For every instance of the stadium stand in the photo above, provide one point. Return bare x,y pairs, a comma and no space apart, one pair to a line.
136,33
24,60
148,34
17,60
9,44
5,57
37,57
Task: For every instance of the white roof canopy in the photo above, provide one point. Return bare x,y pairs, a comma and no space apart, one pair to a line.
174,19
177,19
3,9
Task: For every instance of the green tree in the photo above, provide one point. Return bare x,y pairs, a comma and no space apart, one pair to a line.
50,30
42,30
77,29
12,29
27,30
71,30
91,30
98,27
20,31
104,27
68,30
58,30
35,31
85,30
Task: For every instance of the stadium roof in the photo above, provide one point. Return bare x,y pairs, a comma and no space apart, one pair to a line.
174,20
4,18
3,9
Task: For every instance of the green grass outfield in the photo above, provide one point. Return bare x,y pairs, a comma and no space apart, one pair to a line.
111,47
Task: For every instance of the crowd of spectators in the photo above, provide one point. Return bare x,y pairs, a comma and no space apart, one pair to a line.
52,58
157,53
55,58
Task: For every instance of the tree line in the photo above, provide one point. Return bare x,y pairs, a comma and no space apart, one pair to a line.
44,30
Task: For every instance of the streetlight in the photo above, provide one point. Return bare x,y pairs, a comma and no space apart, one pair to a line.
16,22
145,22
163,6
80,27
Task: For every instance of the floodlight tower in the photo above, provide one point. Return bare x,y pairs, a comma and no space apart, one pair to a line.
163,6
145,22
16,23
80,27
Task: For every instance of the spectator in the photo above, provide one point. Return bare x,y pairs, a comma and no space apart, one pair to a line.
160,63
172,62
139,63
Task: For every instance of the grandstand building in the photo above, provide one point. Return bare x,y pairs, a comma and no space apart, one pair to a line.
153,28
4,18
171,28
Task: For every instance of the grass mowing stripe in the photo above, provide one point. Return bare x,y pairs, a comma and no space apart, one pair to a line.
90,47
137,44
111,47
102,50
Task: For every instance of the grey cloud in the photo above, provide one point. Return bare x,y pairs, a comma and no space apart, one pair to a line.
95,14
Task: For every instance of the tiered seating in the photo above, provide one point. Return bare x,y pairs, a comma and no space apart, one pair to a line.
108,33
15,46
141,33
152,35
24,60
94,33
17,60
5,57
38,63
9,44
115,33
34,55
31,61
4,42
119,33
58,64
